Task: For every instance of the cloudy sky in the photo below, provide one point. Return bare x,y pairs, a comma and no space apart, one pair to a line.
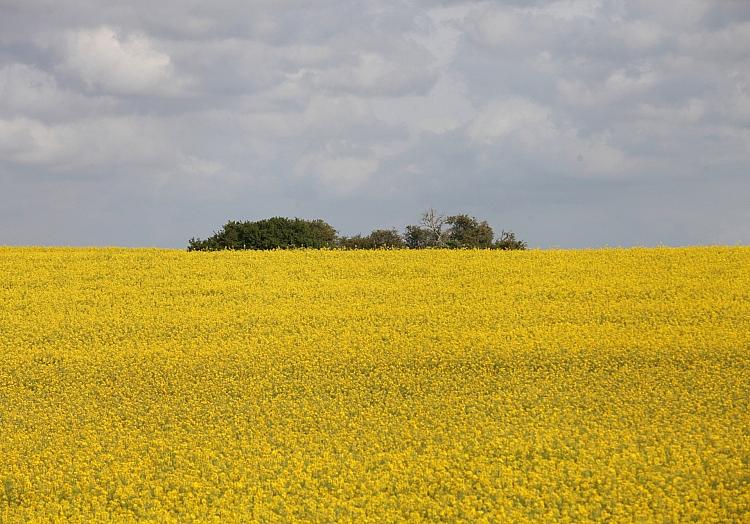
574,123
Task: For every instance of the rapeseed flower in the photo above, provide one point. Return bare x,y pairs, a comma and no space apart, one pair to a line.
477,386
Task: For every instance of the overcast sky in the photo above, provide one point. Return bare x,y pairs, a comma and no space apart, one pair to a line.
573,123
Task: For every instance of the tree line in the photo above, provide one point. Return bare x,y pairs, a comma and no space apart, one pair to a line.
433,231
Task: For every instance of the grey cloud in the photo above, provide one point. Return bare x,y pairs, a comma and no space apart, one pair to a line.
26,91
574,123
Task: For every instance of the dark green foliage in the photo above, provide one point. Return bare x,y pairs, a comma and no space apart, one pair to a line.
429,232
272,233
386,238
508,241
378,239
463,231
417,237
468,232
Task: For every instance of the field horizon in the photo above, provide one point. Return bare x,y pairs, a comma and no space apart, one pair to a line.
534,248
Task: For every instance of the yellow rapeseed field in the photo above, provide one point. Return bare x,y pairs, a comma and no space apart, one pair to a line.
375,386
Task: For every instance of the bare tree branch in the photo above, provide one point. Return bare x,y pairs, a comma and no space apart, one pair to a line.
434,222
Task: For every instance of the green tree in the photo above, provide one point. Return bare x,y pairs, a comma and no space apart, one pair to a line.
462,231
386,238
271,233
429,232
378,239
417,237
465,231
508,241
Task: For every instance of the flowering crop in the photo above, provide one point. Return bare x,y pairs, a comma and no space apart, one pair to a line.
482,386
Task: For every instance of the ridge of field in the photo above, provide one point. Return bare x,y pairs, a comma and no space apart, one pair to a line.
380,386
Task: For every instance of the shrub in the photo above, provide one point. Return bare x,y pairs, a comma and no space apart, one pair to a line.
378,239
508,241
468,232
271,233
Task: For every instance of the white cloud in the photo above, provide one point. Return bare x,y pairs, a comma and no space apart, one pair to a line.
689,113
507,28
618,85
120,64
570,9
512,117
524,128
640,34
28,141
727,43
403,70
444,108
110,142
27,91
335,172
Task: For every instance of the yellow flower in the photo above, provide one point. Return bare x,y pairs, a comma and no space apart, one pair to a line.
380,386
